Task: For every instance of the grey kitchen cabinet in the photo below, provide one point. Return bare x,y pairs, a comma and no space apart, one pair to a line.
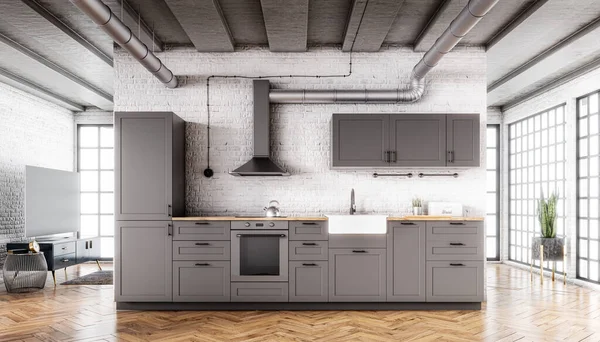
88,249
357,275
308,250
143,261
455,281
308,281
418,140
405,140
150,166
201,281
201,250
202,230
406,262
359,140
463,139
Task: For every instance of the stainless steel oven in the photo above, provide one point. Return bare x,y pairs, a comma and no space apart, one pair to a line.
259,251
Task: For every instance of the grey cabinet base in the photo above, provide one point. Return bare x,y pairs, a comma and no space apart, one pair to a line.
296,306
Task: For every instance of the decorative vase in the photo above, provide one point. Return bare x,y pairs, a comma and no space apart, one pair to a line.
417,211
553,248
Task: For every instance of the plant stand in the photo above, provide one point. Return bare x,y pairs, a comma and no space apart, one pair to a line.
548,249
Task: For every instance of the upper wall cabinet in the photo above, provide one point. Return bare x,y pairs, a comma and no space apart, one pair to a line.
360,140
463,139
150,166
405,140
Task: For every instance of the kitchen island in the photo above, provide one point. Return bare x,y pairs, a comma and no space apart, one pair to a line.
294,263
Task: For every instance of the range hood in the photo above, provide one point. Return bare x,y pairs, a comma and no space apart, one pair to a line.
261,163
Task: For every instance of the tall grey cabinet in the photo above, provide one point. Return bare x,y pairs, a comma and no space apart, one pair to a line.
149,191
463,139
406,279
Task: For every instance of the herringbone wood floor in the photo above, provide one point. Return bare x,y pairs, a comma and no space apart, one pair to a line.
517,310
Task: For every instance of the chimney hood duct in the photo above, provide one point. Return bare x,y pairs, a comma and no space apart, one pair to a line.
464,22
261,163
121,34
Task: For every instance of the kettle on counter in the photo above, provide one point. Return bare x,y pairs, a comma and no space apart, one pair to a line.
272,210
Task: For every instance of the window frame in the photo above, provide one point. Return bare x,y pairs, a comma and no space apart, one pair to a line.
577,191
99,192
498,172
562,197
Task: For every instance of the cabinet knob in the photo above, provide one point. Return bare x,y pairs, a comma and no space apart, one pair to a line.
247,224
271,224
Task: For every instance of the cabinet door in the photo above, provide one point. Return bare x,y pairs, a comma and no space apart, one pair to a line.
94,251
357,275
308,281
143,261
418,139
455,281
143,165
406,262
201,281
359,140
83,253
463,139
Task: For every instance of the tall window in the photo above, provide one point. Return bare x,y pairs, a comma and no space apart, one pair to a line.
536,165
95,164
493,180
588,176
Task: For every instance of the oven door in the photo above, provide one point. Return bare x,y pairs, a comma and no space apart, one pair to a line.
259,255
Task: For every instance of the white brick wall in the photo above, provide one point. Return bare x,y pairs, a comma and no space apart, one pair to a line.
301,133
32,132
565,94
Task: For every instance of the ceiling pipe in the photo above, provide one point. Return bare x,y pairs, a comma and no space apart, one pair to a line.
122,35
464,22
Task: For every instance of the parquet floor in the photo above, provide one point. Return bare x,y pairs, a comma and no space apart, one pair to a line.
517,310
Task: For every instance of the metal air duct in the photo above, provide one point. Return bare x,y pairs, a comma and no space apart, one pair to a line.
122,35
464,22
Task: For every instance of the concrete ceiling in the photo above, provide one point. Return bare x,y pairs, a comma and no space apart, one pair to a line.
56,52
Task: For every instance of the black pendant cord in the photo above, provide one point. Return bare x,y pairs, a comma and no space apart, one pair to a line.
208,172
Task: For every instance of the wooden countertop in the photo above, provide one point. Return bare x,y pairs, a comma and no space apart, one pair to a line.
233,218
321,218
435,218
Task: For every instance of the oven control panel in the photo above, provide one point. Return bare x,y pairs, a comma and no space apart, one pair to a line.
259,225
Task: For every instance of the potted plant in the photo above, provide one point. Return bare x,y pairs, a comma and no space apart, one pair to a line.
553,246
417,204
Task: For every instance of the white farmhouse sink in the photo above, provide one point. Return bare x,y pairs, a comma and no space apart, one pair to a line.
357,224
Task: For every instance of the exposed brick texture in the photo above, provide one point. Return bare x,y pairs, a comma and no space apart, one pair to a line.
32,132
301,133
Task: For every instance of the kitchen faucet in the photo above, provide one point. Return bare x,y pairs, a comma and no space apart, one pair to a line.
352,204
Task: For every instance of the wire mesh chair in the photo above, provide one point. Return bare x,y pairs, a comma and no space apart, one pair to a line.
25,272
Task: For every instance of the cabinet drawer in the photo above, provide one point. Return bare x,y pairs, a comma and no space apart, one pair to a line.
65,248
259,292
454,281
455,231
455,250
308,250
197,281
308,281
202,230
65,260
308,230
201,250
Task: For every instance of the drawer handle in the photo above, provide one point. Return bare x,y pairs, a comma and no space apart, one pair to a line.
309,223
456,244
202,244
311,264
65,260
359,251
451,264
202,223
64,248
408,223
203,264
457,223
261,235
309,244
